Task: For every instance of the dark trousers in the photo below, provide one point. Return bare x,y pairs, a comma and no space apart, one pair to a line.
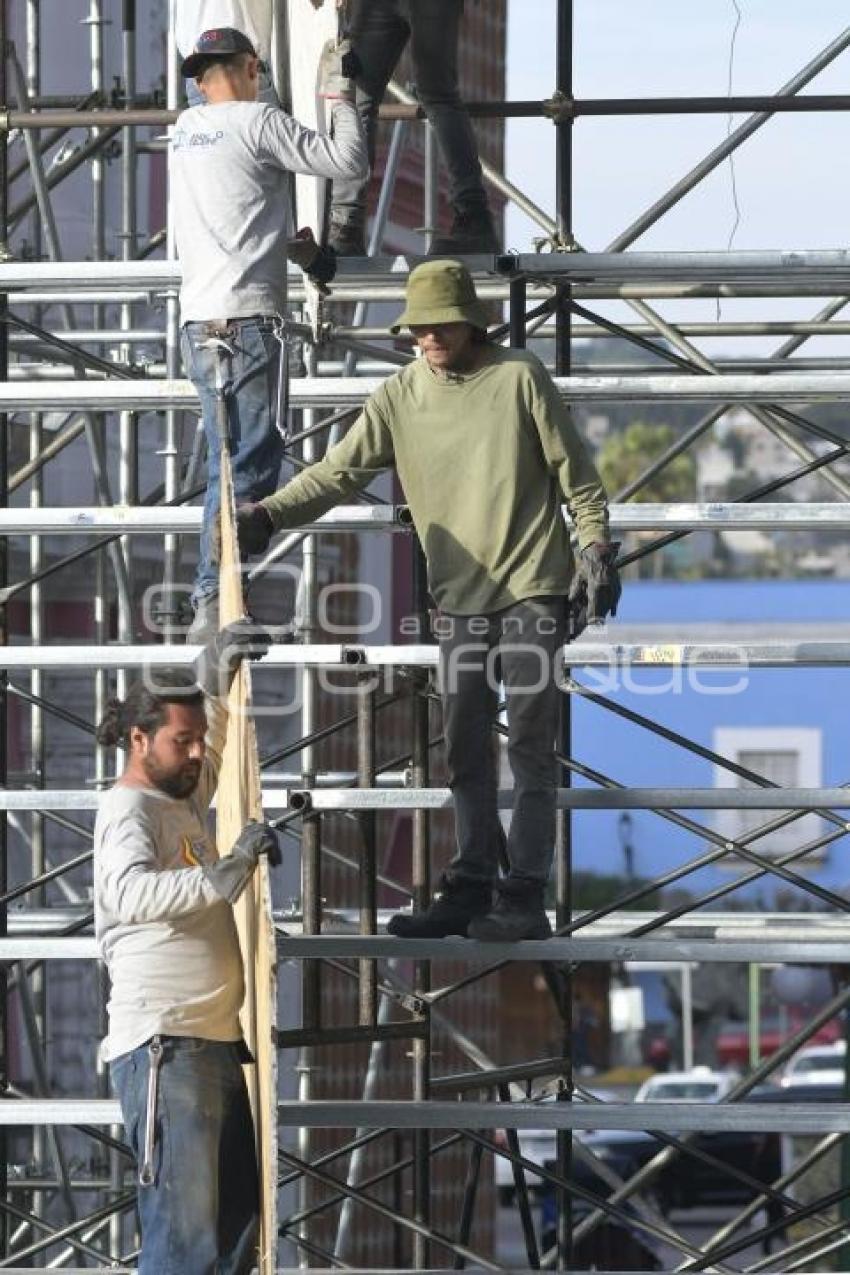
519,648
200,1215
379,30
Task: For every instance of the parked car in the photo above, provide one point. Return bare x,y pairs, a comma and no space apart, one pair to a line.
537,1145
698,1183
817,1065
732,1047
700,1084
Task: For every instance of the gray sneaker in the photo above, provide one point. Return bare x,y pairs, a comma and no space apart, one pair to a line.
205,624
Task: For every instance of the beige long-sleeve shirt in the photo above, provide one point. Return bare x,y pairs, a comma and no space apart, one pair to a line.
486,461
168,938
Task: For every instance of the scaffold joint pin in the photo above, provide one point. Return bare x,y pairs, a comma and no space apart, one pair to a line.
559,108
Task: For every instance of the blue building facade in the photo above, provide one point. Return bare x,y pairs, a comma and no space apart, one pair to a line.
790,724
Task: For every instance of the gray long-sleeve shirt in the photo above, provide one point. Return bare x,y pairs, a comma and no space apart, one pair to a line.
168,939
230,198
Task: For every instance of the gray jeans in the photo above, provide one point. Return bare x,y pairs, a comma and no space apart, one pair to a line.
379,31
517,647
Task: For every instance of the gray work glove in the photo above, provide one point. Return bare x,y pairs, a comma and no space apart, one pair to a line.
595,589
229,876
254,529
217,663
338,67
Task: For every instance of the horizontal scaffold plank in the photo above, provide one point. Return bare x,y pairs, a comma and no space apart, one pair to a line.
59,1111
654,267
584,799
389,799
333,392
159,520
799,938
585,653
677,951
784,265
71,948
667,1117
664,1116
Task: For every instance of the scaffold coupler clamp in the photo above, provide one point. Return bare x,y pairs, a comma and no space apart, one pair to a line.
314,309
146,1172
556,242
560,108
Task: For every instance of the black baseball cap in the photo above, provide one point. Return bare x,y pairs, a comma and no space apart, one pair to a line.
221,42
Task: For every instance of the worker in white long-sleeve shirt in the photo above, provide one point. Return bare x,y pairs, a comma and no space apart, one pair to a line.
165,928
229,171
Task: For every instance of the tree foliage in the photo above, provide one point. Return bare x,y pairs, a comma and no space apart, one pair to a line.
626,455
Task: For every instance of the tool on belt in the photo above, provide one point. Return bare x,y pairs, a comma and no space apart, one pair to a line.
216,338
146,1173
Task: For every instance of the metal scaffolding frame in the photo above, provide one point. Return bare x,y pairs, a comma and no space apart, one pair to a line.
89,374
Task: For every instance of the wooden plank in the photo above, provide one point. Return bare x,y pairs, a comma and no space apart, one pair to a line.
309,30
238,801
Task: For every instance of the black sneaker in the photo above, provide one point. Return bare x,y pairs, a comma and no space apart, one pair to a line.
457,902
473,231
518,914
347,238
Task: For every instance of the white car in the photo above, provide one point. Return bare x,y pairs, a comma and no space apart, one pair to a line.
537,1145
817,1065
701,1084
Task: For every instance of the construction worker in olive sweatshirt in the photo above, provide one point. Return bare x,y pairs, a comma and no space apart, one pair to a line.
486,452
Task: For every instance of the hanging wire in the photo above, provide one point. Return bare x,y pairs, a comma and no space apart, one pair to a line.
730,76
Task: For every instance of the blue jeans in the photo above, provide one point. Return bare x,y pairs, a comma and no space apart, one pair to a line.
256,447
379,30
200,1215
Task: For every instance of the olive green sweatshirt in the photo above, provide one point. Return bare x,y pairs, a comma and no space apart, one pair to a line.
485,461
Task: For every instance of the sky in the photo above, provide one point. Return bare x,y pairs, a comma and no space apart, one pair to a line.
793,176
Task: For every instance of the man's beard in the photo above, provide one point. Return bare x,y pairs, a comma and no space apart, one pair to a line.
178,783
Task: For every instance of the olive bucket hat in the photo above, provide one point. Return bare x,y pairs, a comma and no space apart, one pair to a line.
441,292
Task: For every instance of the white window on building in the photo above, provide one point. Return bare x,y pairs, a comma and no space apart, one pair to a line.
787,756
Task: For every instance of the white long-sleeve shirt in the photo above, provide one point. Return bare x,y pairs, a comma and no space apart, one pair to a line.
252,17
229,186
168,938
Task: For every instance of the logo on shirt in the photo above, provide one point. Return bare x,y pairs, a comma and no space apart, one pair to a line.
190,854
182,139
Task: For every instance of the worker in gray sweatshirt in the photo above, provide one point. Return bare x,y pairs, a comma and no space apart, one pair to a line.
165,928
230,165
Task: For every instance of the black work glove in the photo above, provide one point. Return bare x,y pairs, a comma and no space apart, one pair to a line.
316,261
229,876
595,589
217,663
254,528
